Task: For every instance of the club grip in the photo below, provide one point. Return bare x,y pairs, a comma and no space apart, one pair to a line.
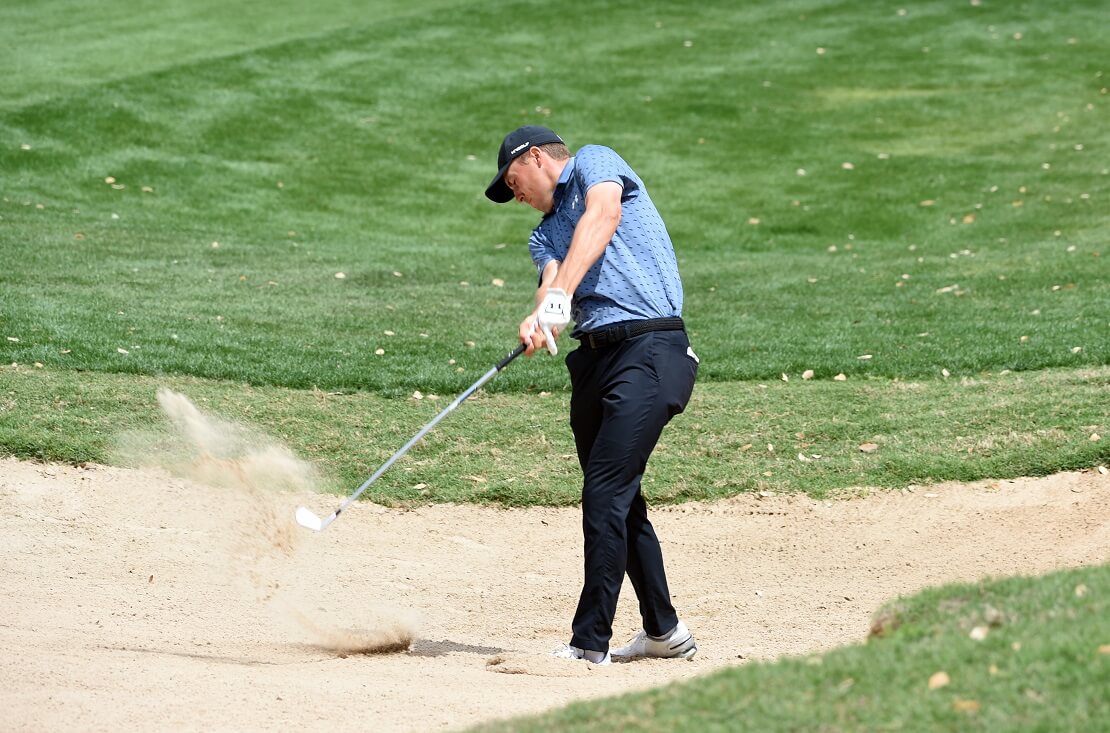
512,355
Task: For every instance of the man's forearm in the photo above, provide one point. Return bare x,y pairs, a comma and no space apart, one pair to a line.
550,270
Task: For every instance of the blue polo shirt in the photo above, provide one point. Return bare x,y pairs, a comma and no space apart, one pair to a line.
636,276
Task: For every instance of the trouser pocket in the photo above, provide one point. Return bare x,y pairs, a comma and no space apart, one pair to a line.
676,366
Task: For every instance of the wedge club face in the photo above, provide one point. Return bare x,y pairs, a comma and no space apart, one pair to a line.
308,520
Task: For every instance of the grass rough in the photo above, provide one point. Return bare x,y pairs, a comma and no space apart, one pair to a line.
1041,666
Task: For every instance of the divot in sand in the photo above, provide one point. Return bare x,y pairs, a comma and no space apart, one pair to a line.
393,638
541,665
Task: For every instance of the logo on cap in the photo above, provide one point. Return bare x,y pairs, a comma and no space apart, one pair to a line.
518,148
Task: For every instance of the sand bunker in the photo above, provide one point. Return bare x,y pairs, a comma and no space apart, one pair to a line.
134,600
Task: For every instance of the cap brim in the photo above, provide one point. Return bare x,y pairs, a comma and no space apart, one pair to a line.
498,191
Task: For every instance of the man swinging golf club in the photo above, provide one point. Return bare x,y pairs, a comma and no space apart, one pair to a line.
606,261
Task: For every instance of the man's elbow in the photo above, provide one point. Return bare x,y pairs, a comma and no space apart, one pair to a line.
611,217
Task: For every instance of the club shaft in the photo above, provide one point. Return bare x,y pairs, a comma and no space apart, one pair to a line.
434,421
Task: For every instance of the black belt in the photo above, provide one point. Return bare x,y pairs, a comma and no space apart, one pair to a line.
618,332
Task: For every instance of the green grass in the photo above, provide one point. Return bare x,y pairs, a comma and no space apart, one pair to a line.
256,151
1043,666
797,436
346,146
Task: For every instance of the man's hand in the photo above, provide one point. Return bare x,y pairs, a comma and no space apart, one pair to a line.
542,328
530,336
553,315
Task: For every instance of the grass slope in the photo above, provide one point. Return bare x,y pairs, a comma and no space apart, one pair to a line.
290,196
361,145
1043,665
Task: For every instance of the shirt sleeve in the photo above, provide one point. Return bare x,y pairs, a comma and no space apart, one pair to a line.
541,250
598,164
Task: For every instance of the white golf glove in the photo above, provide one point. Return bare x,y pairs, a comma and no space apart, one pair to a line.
554,312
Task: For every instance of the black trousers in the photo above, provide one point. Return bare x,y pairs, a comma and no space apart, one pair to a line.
622,397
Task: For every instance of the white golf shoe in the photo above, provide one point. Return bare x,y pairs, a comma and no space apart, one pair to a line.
566,651
678,644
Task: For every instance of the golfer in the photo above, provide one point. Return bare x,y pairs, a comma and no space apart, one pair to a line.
606,261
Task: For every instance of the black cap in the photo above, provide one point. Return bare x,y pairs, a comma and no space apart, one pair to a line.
516,143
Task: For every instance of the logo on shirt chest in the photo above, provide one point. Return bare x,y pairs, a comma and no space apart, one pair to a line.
568,213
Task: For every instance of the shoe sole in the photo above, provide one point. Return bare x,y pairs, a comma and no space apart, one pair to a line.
688,654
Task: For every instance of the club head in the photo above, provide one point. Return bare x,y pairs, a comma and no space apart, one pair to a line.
308,520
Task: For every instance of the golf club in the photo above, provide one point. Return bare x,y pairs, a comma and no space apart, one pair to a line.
306,518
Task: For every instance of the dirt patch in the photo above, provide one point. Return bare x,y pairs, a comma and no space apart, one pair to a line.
133,599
